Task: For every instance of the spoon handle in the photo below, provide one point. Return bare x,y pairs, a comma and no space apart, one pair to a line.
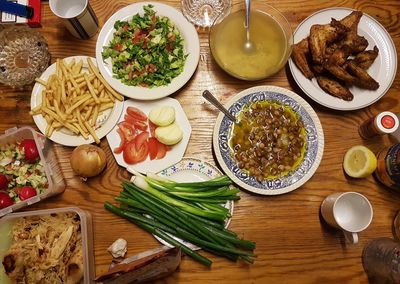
247,4
209,97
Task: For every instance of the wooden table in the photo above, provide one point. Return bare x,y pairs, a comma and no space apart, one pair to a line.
293,244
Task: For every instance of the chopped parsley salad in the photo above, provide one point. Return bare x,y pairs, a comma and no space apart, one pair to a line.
146,51
22,175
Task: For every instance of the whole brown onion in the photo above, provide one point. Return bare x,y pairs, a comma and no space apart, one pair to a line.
88,160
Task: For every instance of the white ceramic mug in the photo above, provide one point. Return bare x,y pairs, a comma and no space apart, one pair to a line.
349,211
79,17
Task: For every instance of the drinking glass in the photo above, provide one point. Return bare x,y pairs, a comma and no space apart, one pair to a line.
204,12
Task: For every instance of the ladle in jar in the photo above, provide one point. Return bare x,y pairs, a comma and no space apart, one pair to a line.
209,97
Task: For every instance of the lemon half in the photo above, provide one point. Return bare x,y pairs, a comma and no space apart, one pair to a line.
359,162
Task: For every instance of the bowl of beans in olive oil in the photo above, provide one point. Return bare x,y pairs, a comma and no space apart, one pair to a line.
276,144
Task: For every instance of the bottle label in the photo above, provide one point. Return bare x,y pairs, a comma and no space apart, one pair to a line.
387,122
393,165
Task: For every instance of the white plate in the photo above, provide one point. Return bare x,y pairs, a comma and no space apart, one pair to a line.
65,137
382,70
177,151
313,154
192,48
192,170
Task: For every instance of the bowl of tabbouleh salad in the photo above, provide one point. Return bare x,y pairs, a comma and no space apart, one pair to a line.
147,50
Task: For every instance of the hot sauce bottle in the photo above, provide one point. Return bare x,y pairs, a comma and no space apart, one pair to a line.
384,123
388,166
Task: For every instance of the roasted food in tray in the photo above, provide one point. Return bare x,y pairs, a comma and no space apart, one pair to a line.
336,56
46,249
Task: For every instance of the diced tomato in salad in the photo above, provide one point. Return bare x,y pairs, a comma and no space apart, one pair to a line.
138,141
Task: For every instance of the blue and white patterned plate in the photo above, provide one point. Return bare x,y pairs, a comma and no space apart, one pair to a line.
192,170
315,138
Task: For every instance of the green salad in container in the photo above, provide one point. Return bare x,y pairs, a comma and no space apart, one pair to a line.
146,51
22,175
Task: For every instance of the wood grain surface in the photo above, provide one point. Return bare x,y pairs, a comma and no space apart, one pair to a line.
293,244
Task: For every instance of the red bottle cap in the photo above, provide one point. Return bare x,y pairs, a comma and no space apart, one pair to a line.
388,121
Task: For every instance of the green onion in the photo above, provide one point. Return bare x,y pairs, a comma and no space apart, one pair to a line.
192,211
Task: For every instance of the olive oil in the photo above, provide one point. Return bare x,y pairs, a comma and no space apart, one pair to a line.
227,41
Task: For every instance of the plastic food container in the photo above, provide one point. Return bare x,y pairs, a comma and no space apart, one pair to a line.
6,225
48,158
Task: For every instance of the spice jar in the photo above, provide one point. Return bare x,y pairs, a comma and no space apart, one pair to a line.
388,166
384,123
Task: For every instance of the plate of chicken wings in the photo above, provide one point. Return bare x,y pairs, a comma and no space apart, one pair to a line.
343,59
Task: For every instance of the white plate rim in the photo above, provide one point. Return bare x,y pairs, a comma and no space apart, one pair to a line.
60,137
337,103
229,204
192,47
313,116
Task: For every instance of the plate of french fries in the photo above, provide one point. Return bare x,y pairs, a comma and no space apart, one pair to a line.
72,104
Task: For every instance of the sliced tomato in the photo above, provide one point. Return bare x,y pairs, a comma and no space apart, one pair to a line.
152,128
161,150
118,47
153,147
139,124
121,146
136,113
141,139
132,155
128,130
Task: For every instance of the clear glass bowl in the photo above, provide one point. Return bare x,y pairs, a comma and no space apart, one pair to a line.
270,34
24,55
203,13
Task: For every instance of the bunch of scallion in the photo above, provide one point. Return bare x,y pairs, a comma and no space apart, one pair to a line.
191,211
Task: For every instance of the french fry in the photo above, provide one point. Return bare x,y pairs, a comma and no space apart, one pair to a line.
75,84
106,85
103,107
74,98
63,94
77,103
91,90
40,81
77,67
92,132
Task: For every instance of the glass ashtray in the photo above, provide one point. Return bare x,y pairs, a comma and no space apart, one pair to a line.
24,55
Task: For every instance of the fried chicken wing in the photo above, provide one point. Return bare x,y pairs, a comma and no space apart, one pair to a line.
366,58
318,69
351,21
300,53
334,88
356,42
321,36
339,56
363,79
340,73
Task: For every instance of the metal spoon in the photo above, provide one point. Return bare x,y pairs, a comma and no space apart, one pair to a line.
248,46
209,97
